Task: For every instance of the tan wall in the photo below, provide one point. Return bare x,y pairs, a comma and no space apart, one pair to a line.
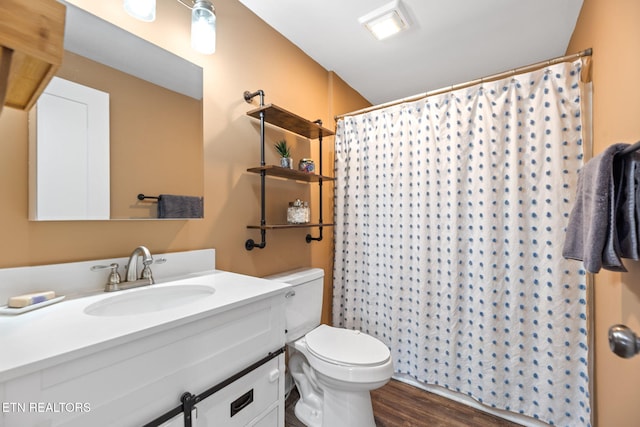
611,29
250,55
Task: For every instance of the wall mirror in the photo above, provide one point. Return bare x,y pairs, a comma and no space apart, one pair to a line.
154,125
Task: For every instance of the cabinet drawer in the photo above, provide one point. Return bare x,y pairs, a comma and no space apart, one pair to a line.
245,399
273,417
177,421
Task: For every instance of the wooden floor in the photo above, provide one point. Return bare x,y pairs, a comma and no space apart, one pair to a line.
400,405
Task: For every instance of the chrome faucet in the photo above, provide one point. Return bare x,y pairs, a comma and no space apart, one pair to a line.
132,266
132,280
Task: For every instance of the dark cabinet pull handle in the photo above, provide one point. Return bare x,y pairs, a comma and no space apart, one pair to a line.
242,402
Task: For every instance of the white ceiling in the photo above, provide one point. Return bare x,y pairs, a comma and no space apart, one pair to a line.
449,41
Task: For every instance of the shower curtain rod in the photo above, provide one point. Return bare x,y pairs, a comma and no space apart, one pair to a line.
532,67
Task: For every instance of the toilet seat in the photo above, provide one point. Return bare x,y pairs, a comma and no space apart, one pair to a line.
346,347
357,366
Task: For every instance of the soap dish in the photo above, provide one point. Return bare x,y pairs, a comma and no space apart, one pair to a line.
9,310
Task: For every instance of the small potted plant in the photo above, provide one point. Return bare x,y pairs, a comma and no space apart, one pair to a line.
285,154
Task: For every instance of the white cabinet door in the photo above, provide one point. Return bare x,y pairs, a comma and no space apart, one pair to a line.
69,153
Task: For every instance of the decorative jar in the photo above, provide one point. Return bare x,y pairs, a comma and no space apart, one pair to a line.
298,212
307,165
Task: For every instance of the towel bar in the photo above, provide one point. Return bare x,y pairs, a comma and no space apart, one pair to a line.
630,149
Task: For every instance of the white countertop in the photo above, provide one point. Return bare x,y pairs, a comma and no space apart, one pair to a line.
60,332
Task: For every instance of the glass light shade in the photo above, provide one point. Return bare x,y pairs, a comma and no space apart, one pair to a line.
386,26
144,10
386,20
203,27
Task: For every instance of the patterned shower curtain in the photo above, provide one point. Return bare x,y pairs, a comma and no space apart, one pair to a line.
450,219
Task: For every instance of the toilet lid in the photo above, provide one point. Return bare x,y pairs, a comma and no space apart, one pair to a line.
345,346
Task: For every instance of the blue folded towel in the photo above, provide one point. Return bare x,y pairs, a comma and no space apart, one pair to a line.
172,206
591,232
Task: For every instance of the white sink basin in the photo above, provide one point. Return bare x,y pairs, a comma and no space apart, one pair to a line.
149,299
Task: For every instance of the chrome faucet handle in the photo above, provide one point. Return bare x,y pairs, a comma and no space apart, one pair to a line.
146,270
114,276
147,273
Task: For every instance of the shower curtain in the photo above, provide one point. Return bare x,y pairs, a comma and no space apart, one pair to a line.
450,219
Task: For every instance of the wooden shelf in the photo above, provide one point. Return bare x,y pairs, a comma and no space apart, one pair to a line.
286,120
281,226
287,173
31,46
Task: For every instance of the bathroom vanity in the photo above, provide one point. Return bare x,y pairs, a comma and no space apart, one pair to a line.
207,342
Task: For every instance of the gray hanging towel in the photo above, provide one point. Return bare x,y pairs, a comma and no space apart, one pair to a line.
173,206
628,172
591,232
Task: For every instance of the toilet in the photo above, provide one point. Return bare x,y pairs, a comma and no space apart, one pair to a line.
334,369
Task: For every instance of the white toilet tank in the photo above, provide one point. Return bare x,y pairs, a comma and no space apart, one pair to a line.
303,307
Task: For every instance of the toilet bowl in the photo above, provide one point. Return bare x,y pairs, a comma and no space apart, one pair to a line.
334,369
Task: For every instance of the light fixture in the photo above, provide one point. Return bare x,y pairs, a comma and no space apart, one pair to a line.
144,10
203,20
386,21
203,27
